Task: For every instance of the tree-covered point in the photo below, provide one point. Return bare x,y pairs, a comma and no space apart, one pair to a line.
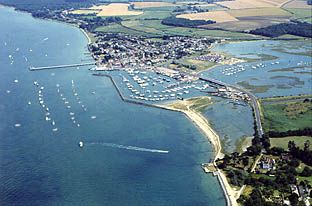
181,22
34,5
294,28
93,23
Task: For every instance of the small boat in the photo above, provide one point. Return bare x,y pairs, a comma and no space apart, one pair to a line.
80,144
53,123
54,129
17,125
93,117
16,81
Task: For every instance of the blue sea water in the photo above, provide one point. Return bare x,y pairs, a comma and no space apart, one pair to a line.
39,166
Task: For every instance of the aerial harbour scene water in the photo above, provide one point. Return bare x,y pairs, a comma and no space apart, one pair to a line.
100,109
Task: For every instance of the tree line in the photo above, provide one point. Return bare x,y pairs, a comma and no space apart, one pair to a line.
181,22
294,28
299,132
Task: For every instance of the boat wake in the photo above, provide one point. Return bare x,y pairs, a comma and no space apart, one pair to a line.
127,147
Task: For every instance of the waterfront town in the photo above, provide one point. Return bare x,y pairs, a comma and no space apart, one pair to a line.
170,71
125,50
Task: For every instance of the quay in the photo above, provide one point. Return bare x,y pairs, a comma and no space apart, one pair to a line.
61,66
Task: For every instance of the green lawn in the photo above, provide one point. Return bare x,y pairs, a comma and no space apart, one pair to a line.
283,142
286,116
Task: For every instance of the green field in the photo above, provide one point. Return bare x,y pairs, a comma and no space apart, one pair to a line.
304,15
149,24
284,116
149,15
283,142
117,28
285,98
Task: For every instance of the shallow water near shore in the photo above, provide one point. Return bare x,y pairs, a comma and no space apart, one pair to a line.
44,166
277,68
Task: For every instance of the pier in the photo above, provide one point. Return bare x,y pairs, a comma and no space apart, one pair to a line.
61,66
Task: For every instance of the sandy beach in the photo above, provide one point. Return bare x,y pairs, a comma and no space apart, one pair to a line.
87,36
202,123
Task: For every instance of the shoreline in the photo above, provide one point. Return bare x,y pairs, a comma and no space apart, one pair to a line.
202,123
53,20
85,34
198,119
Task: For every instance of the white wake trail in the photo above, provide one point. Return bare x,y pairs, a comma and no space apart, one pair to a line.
127,147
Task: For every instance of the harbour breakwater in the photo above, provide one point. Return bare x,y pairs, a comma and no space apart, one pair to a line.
126,99
60,66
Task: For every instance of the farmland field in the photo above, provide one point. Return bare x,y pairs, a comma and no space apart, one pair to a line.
299,4
282,117
154,27
277,3
86,11
149,26
304,15
149,15
258,12
247,23
140,5
117,28
283,142
218,16
245,4
115,9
